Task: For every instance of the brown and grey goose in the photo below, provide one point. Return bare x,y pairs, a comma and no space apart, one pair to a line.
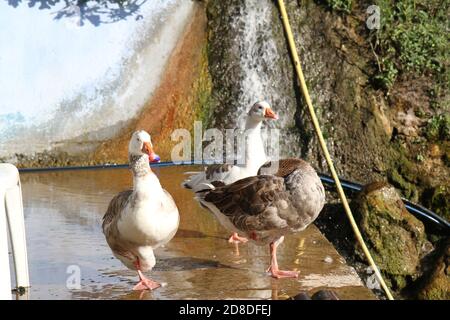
285,199
140,220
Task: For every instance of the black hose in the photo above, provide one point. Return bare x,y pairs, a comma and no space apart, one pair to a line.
423,214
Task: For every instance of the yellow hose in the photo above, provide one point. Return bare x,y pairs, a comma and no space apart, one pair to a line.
323,145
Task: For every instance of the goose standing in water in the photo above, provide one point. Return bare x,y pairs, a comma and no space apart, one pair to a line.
140,220
255,156
267,207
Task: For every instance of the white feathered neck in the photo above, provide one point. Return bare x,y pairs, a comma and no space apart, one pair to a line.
255,155
145,183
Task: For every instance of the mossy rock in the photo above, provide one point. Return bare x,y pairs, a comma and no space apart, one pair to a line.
409,190
439,201
436,283
395,238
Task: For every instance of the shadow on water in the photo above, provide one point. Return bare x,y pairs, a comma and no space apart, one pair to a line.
187,264
94,12
182,233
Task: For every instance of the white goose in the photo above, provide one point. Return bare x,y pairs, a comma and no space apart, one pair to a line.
255,156
267,207
139,220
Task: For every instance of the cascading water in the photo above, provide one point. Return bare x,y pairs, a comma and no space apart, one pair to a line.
73,81
257,52
258,75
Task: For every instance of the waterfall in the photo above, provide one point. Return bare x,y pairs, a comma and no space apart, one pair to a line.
264,70
257,51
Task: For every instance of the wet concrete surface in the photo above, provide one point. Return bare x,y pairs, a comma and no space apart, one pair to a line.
63,212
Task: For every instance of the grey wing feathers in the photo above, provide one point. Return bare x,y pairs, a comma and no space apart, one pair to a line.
109,226
115,207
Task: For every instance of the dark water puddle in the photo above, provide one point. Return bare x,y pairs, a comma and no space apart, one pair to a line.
63,212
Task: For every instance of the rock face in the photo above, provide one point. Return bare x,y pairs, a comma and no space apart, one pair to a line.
395,238
436,283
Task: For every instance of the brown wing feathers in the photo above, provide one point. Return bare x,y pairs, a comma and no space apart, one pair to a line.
249,202
289,198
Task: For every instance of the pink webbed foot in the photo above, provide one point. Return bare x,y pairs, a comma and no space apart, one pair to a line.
278,274
146,284
235,238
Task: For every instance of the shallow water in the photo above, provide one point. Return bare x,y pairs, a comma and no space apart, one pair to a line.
63,211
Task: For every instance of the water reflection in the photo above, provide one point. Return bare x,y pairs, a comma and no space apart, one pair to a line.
63,212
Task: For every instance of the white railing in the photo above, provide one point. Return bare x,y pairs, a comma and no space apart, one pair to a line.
12,219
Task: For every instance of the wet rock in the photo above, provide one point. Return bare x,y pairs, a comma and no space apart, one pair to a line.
319,295
435,284
302,295
395,238
325,295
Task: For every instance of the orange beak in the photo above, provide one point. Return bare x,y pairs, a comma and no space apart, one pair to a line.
148,149
269,113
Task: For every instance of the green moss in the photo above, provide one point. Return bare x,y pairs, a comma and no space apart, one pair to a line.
394,237
435,93
398,282
338,5
436,294
203,89
403,173
412,38
409,190
438,128
435,284
387,75
440,201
